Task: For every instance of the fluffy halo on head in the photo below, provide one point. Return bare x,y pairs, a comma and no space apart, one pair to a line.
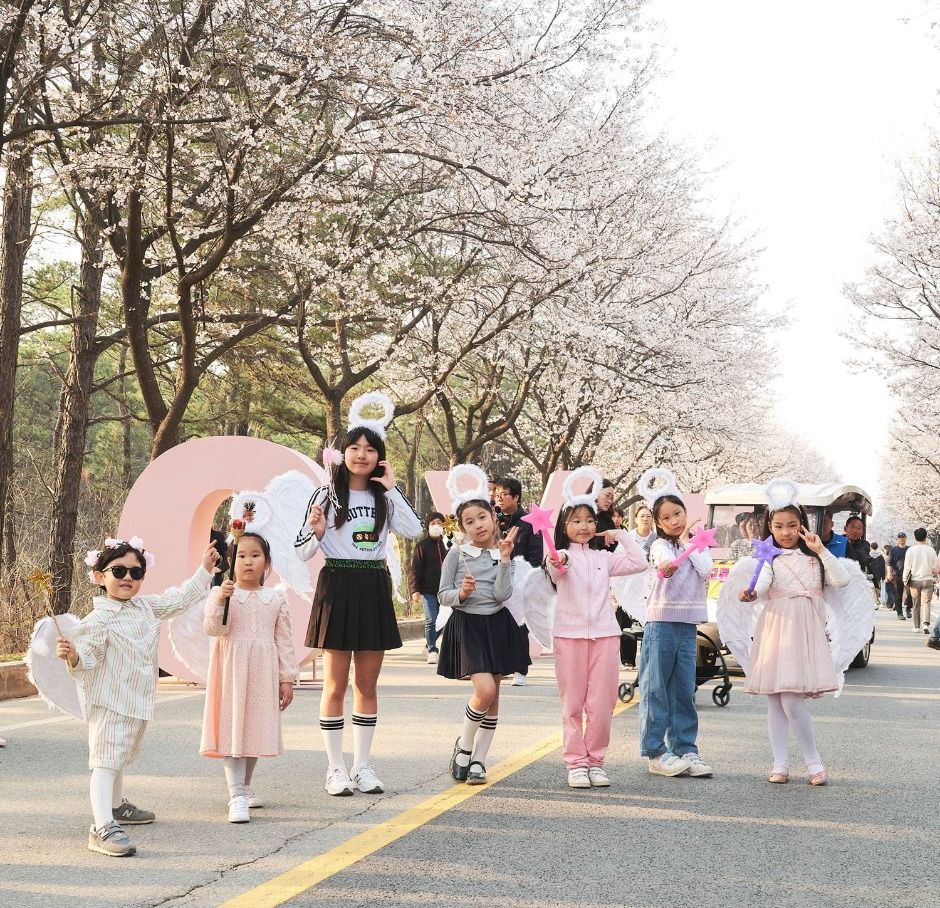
782,493
651,492
372,399
589,498
479,491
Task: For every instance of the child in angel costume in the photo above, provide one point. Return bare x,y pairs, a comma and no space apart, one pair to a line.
112,653
252,669
353,617
675,605
796,629
586,635
482,639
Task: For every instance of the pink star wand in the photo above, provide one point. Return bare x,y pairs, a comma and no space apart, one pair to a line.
540,519
702,540
764,553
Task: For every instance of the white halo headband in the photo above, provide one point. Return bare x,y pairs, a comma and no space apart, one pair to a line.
782,493
652,493
372,399
589,498
479,491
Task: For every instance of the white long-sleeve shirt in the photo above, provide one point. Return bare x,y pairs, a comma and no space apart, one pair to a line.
117,641
356,538
919,562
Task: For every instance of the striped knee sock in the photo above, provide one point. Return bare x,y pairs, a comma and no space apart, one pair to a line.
363,730
485,738
471,723
331,727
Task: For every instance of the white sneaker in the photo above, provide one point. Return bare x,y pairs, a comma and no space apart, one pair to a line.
915,630
668,764
253,799
578,777
697,766
598,777
338,782
238,810
432,658
519,680
366,780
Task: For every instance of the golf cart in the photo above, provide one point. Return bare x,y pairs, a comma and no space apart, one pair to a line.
732,507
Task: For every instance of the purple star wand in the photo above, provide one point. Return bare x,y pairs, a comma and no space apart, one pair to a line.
764,553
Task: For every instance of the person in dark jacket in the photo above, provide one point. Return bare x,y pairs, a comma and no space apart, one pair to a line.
896,557
856,545
424,577
605,511
528,544
877,567
508,498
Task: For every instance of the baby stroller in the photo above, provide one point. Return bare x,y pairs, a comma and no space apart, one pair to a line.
709,662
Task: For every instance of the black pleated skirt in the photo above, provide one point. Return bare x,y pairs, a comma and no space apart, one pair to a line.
352,610
494,644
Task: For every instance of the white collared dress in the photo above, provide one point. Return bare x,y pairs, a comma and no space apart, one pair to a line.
250,656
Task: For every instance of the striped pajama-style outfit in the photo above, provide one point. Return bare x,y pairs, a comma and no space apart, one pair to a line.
117,649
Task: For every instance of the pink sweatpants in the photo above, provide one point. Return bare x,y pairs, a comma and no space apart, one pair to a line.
587,672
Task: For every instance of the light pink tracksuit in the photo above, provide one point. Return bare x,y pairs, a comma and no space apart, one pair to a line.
587,646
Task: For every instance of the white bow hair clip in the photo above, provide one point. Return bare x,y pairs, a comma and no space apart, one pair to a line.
479,491
372,399
655,483
589,498
782,493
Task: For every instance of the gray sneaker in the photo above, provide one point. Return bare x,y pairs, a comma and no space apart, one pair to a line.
131,815
110,840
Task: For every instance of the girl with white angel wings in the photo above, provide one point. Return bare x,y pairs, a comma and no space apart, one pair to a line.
796,632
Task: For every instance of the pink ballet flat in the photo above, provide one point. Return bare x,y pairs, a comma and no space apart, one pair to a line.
779,778
819,778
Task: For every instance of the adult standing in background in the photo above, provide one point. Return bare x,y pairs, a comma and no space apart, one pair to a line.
605,511
528,544
643,531
424,577
743,546
896,565
919,578
877,568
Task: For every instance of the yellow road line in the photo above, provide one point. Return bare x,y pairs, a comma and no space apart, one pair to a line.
305,876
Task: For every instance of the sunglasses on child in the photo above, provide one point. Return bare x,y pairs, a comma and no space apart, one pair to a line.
120,572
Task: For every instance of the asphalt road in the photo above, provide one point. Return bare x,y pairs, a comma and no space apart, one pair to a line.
868,839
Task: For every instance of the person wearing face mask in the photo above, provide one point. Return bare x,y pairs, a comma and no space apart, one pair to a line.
424,577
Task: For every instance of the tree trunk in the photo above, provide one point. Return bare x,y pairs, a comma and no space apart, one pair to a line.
17,209
125,411
72,426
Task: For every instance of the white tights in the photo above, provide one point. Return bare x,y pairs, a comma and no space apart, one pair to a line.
106,789
786,711
238,773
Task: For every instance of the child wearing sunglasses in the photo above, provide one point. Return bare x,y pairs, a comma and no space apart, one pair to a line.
113,654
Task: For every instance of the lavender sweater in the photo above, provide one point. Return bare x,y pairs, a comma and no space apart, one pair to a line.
682,596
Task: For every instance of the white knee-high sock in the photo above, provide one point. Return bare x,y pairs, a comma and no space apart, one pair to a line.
235,776
471,724
779,730
363,732
250,764
118,793
801,721
484,738
331,727
101,789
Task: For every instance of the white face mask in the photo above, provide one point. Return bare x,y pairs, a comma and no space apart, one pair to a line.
435,530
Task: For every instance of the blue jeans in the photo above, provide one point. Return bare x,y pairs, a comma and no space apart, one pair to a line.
431,607
668,720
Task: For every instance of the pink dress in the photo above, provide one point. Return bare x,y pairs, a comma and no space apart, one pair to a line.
791,651
250,656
